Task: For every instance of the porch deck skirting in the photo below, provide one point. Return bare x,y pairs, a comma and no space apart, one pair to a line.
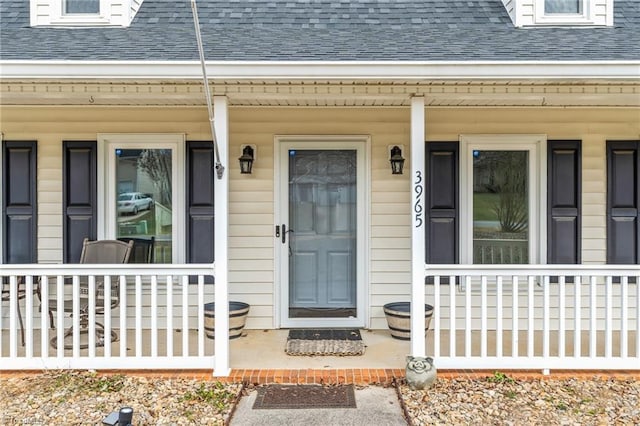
516,317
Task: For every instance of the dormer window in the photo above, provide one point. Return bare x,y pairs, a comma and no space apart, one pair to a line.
84,7
83,13
563,7
527,13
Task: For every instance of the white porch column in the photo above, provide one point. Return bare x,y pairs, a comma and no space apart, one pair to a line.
221,209
417,227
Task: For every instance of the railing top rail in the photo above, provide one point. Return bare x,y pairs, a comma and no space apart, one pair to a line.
535,270
117,269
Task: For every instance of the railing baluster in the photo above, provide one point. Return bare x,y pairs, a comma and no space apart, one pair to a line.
545,318
467,325
200,315
60,316
123,316
29,316
13,316
91,297
593,319
106,306
483,316
577,327
608,336
138,310
624,306
76,317
44,325
452,316
562,316
499,306
436,317
531,316
185,316
169,316
515,323
154,316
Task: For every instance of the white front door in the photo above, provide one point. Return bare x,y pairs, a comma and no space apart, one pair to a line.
320,232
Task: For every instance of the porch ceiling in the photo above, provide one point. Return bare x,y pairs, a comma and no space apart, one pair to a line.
325,93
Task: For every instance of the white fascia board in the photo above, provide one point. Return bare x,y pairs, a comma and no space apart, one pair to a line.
310,70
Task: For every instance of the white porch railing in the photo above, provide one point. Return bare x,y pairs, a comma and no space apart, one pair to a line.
158,321
533,316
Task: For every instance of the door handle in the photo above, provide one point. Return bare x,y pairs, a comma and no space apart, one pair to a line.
284,233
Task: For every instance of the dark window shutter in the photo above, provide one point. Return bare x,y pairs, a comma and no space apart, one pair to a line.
441,202
622,202
564,202
19,202
79,206
200,202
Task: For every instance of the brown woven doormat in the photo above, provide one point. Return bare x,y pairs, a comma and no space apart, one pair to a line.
313,342
304,396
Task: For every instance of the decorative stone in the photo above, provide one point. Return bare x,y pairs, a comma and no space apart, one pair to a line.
420,372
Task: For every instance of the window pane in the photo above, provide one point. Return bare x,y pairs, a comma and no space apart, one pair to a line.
82,6
500,207
562,6
145,199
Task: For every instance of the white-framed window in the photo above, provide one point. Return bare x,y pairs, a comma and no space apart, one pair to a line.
502,218
141,194
84,7
565,12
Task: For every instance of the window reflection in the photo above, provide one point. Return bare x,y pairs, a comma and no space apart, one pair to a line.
144,198
562,6
500,207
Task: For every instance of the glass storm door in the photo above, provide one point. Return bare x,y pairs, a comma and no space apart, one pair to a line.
320,235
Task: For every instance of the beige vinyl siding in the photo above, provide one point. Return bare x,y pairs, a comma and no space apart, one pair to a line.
251,221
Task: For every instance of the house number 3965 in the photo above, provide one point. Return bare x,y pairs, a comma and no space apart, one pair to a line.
417,207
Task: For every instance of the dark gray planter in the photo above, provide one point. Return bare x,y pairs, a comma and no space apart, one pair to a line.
238,312
399,319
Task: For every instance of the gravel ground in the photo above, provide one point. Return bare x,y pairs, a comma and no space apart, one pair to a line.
86,398
501,400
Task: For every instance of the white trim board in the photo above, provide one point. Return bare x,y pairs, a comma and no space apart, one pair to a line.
317,70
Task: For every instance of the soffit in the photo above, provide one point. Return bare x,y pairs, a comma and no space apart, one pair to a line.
324,93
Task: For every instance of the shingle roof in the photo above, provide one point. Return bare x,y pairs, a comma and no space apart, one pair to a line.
322,30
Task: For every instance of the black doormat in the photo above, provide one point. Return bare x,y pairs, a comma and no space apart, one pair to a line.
322,342
304,396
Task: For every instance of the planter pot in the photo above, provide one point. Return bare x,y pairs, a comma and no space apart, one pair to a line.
399,319
238,312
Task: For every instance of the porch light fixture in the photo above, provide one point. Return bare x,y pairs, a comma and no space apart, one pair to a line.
396,160
246,159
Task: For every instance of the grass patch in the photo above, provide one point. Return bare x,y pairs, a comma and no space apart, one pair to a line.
215,395
499,377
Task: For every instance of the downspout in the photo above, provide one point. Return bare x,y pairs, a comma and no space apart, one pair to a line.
219,167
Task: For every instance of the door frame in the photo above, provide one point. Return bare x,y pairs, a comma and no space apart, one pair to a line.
362,145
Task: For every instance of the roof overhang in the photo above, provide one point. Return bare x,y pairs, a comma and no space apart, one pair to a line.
309,70
457,84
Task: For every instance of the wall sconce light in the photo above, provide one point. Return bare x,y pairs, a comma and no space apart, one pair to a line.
246,159
396,160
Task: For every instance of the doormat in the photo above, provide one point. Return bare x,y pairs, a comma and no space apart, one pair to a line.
311,342
304,396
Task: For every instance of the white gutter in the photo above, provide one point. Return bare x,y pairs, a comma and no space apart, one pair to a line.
315,70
